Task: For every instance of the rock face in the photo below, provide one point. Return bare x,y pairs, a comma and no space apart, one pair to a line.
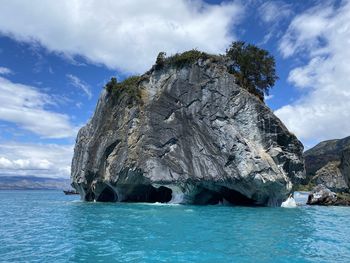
195,137
328,163
321,195
331,176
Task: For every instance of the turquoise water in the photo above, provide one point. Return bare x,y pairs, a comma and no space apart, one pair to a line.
47,226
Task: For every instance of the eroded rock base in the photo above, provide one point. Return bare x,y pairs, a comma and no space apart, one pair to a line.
147,193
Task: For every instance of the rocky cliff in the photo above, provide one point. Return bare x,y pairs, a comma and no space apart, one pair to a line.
328,163
190,136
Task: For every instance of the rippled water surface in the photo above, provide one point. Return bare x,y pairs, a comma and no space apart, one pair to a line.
47,226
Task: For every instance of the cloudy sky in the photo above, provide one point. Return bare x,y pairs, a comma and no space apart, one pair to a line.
55,57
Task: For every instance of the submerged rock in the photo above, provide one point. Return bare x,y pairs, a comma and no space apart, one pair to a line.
192,136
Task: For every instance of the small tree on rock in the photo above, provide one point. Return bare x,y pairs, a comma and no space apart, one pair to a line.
254,68
160,61
111,84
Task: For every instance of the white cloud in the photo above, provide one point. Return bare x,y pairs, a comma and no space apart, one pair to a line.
48,160
79,105
272,14
274,11
26,107
323,111
78,83
5,163
5,71
307,31
124,35
25,164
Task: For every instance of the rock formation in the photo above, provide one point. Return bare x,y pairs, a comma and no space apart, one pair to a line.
328,163
321,195
192,136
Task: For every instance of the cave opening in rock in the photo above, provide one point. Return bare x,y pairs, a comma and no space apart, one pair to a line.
221,195
149,194
107,195
207,197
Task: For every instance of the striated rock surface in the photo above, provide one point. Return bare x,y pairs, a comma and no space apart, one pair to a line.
328,163
194,137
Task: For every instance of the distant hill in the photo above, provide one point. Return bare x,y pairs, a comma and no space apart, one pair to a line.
9,182
324,152
328,163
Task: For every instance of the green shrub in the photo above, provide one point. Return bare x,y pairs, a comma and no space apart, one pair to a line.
129,86
111,84
160,61
186,58
253,68
304,187
180,60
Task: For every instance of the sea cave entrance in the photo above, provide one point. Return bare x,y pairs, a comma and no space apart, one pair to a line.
222,194
107,195
148,194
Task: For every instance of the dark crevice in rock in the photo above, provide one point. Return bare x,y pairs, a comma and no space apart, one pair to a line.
164,153
230,159
222,118
90,176
108,195
171,141
110,148
148,194
193,101
236,198
207,197
222,195
217,92
89,196
169,114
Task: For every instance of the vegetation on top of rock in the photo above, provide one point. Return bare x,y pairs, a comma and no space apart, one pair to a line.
180,60
344,196
129,85
304,187
253,67
112,84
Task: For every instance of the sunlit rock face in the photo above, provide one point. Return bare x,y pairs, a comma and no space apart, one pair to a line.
328,163
196,137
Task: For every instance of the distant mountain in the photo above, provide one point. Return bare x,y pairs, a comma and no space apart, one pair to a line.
9,182
328,163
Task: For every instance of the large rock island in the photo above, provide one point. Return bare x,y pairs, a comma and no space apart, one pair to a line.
185,134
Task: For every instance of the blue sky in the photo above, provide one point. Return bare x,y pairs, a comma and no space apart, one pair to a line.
55,57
